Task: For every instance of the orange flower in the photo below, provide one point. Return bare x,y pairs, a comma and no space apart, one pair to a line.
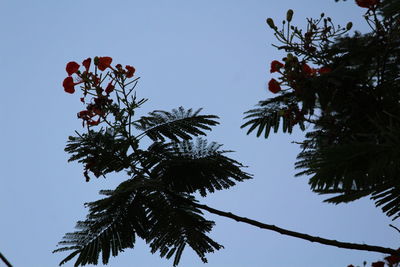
274,86
68,85
367,3
104,63
130,71
275,66
72,67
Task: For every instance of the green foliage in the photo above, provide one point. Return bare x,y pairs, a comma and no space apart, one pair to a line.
270,114
352,152
139,208
155,203
358,168
197,167
101,152
179,123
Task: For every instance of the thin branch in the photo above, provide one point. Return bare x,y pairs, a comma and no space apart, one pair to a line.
5,260
328,242
397,229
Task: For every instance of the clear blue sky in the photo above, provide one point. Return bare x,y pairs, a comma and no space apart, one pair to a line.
211,54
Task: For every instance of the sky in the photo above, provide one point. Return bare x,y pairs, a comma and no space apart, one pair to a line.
197,54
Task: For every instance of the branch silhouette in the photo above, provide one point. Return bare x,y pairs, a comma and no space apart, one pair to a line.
317,239
5,260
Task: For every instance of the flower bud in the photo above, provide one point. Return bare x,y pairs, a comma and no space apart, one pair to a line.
289,15
270,23
96,60
349,26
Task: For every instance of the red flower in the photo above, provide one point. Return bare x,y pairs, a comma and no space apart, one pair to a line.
275,66
130,71
378,264
109,88
393,259
85,114
97,111
324,70
93,123
72,67
307,69
367,3
104,63
274,86
68,85
86,63
351,265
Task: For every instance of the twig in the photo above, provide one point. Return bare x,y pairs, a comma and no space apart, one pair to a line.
391,225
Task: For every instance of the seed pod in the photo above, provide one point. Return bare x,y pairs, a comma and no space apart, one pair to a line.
289,15
270,23
349,26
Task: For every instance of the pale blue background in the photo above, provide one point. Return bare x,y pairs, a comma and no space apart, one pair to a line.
211,54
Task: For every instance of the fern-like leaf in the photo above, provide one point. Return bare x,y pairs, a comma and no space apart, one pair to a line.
143,208
270,113
190,167
101,152
175,125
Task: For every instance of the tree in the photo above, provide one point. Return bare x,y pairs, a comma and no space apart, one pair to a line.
352,101
156,202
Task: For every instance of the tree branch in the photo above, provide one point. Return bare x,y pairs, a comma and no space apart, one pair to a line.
397,229
328,242
5,260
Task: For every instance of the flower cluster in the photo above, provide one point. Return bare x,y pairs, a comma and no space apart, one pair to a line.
91,84
292,72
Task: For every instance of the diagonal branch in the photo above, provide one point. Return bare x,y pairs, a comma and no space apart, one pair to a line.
5,260
328,242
